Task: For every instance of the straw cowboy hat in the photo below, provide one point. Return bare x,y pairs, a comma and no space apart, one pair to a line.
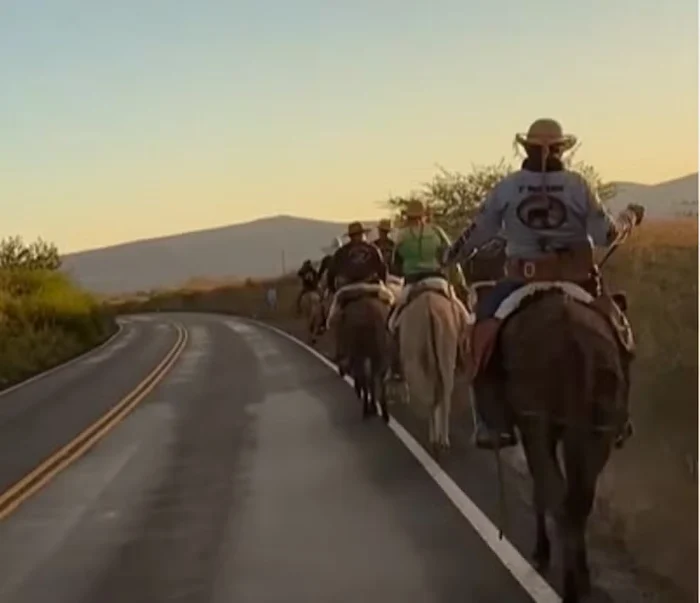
384,225
415,209
547,132
356,228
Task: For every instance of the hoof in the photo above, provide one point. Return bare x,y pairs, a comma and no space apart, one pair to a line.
626,433
483,440
541,561
585,586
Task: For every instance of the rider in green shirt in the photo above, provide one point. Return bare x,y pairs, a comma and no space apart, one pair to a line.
420,245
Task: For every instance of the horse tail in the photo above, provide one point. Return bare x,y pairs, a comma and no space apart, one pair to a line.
578,370
439,385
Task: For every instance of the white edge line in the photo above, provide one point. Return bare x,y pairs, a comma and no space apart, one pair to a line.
533,583
63,365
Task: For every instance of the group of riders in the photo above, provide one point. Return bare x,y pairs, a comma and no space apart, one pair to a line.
549,219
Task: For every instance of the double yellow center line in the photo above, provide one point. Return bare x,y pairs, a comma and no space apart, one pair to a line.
25,488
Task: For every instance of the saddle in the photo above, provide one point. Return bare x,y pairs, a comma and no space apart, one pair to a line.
485,334
436,284
354,291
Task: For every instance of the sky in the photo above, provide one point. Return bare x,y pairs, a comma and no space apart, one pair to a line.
139,118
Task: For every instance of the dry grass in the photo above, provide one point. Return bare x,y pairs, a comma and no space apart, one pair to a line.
651,486
649,490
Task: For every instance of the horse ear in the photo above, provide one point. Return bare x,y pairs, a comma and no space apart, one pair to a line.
620,299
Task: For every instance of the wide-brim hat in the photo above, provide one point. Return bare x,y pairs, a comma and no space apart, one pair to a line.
384,225
356,228
414,209
547,132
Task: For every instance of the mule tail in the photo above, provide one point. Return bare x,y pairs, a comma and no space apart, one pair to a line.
439,385
576,366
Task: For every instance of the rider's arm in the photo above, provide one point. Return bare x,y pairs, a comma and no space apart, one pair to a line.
602,227
397,262
324,266
445,242
382,271
485,226
331,272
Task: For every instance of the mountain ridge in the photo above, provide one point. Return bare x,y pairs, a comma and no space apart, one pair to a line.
268,246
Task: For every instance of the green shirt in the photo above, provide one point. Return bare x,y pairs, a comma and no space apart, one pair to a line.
420,247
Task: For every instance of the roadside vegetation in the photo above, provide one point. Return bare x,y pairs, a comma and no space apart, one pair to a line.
648,494
45,319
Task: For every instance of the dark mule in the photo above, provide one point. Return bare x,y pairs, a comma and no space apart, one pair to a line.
567,385
363,329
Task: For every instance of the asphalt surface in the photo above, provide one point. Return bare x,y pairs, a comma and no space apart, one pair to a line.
246,475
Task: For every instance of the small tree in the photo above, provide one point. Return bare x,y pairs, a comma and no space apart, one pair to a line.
38,255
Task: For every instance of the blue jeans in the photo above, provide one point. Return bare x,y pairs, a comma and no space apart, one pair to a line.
487,305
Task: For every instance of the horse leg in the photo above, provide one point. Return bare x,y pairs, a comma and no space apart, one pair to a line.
434,431
445,408
584,459
539,440
431,432
543,548
359,376
379,388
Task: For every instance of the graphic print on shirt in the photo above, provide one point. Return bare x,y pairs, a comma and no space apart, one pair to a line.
542,211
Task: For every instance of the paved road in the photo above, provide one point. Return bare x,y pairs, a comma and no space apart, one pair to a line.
246,475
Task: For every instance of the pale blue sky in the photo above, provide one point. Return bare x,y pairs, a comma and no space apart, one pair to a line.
129,119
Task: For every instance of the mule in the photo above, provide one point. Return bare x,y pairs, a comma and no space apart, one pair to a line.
432,329
312,313
566,385
363,329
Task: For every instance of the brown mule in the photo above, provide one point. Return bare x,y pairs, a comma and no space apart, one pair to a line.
567,384
362,327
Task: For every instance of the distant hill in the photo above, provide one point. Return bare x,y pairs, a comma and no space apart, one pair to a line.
671,199
257,248
262,248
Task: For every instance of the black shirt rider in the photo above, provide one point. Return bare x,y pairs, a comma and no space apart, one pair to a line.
308,276
356,262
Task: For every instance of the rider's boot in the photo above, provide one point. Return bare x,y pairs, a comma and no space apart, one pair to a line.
492,417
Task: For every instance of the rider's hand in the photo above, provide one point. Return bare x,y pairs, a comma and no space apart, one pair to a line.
637,211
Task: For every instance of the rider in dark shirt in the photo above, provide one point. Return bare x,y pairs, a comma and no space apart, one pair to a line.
309,281
384,243
358,261
328,258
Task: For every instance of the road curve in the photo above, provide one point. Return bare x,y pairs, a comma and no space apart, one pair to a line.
244,475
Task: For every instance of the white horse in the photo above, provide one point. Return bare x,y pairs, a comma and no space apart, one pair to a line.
433,328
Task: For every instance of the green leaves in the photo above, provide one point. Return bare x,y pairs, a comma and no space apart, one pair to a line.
39,255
